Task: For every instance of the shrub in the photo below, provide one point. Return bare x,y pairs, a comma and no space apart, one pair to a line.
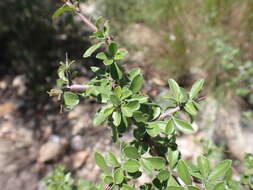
153,150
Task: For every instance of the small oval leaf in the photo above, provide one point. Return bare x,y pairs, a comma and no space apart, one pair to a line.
154,162
111,159
136,84
197,86
118,176
131,166
131,152
183,126
70,99
92,49
184,173
220,169
116,116
100,161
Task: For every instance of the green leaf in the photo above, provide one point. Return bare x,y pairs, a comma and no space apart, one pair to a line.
184,173
203,165
175,89
92,49
129,108
194,170
117,91
141,98
190,187
61,73
220,169
100,161
125,93
163,175
154,162
113,48
120,54
95,69
99,34
115,100
60,83
131,152
173,157
133,105
136,84
103,114
169,130
140,117
220,186
153,129
116,116
111,158
131,166
70,99
108,61
126,111
183,126
106,28
133,73
190,108
101,56
61,10
156,111
118,176
108,179
126,187
197,86
174,188
98,21
115,71
172,182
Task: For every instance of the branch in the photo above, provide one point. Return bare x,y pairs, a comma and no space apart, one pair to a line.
86,21
168,113
76,88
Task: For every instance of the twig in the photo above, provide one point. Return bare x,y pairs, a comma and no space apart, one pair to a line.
81,16
76,88
168,113
201,98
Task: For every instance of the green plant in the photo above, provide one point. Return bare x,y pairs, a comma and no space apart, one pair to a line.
247,177
153,150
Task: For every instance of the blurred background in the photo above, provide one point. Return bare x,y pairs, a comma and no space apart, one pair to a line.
180,39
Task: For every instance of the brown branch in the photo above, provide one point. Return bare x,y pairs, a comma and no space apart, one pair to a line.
76,88
168,113
201,98
86,21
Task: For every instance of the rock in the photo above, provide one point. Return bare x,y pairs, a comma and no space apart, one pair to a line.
3,85
19,82
80,119
77,143
189,147
7,108
51,150
222,124
78,159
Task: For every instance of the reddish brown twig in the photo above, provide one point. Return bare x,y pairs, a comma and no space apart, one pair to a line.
77,88
86,21
168,113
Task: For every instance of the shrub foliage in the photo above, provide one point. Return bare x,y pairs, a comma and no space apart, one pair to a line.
153,150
